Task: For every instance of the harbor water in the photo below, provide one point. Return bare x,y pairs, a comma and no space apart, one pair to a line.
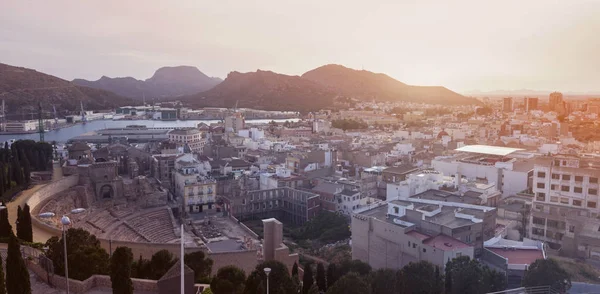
64,134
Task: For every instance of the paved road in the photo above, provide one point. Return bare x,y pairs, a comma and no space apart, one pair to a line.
38,235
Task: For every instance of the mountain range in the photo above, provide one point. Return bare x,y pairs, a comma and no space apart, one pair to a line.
314,90
22,89
526,93
167,82
366,85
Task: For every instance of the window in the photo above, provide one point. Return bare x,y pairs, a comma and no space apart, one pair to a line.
593,191
572,229
539,221
564,200
591,204
593,180
555,176
408,243
576,202
566,177
541,185
579,179
541,174
536,231
552,223
553,187
541,196
553,199
414,245
396,210
565,188
539,207
424,250
577,189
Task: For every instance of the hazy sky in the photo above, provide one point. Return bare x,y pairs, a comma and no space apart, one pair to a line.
463,45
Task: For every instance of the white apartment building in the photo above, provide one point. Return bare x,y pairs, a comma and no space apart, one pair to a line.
191,137
508,168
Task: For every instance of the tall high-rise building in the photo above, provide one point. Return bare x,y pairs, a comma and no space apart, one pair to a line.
555,101
507,104
531,103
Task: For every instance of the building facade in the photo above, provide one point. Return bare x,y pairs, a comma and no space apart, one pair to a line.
402,231
565,204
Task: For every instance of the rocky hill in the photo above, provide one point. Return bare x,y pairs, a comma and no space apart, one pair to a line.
366,85
22,89
167,82
265,90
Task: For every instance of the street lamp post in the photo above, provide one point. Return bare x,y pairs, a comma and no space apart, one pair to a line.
267,272
65,221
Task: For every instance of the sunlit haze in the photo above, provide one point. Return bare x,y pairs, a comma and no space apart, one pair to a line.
463,45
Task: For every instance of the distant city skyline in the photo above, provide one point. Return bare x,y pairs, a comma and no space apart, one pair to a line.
463,45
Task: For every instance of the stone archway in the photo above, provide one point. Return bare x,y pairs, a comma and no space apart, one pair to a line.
106,192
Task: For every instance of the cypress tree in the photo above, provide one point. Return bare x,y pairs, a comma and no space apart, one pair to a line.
20,223
308,279
2,183
295,269
321,280
43,161
17,172
120,271
332,274
8,177
28,226
5,227
17,275
2,280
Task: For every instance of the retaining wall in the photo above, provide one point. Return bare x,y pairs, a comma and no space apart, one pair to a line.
95,281
43,194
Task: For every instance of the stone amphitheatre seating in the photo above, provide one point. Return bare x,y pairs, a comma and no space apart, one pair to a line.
125,233
155,225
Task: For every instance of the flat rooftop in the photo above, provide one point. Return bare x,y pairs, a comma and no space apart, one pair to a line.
446,243
518,255
228,245
487,149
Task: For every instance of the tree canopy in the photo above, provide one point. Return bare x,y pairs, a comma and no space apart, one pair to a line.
349,124
229,280
547,272
325,227
349,284
201,265
280,281
84,254
420,277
